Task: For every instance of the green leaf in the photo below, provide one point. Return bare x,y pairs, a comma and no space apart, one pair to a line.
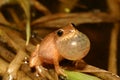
26,6
72,75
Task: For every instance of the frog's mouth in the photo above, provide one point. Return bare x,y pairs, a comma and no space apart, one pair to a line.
71,34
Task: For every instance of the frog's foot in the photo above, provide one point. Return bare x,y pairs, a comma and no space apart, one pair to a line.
40,70
43,72
60,71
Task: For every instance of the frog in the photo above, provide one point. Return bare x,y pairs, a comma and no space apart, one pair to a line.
64,43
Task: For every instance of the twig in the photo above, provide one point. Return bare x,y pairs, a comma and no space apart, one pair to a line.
5,54
19,24
20,74
77,18
3,67
40,7
112,65
103,74
13,41
114,11
3,20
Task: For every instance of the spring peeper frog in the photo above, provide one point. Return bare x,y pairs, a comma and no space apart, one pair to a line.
65,43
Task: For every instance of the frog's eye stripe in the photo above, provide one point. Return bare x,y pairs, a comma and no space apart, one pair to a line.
60,32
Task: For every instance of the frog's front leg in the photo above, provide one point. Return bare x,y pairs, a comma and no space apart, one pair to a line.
58,69
36,62
34,59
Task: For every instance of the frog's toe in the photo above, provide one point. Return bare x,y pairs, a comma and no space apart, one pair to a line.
61,72
40,70
44,72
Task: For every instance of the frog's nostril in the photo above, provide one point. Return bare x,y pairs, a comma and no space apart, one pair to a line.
73,24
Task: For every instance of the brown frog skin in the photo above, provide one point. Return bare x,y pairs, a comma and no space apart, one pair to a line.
65,43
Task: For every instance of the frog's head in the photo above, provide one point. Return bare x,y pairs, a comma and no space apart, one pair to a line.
71,44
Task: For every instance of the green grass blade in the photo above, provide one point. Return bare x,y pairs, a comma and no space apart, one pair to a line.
72,75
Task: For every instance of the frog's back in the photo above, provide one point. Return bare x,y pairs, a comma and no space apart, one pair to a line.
48,50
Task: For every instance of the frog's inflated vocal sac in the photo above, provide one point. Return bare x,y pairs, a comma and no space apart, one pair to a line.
65,43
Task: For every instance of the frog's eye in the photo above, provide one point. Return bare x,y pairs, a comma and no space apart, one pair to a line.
60,32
